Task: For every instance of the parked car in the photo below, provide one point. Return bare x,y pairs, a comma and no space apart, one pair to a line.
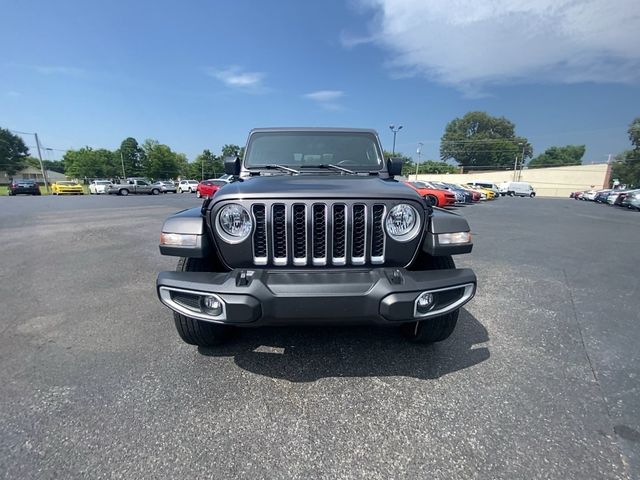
485,193
616,197
626,201
601,196
462,196
517,189
66,188
298,242
612,197
208,188
24,186
187,186
487,186
98,186
633,200
133,186
438,197
475,195
165,186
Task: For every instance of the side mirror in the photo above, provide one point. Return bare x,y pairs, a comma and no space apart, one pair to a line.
394,166
232,166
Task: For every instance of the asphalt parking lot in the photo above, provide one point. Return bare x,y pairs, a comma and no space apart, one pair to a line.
540,379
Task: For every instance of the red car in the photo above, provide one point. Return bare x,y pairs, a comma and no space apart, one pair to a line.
438,197
208,188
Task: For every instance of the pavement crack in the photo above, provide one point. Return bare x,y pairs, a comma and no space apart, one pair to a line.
623,458
579,327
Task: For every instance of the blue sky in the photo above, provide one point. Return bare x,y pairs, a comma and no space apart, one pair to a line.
199,74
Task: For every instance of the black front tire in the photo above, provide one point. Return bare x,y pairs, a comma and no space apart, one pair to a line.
433,199
434,329
194,331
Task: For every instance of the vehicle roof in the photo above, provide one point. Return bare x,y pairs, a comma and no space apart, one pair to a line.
315,129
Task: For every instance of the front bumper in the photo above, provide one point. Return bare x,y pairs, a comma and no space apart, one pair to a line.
279,297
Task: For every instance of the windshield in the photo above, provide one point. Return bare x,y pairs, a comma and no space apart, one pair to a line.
69,184
353,150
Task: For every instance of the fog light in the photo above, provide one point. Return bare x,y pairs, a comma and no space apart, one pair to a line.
424,302
212,306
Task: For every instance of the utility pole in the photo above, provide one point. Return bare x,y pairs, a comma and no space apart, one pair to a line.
515,165
419,152
44,173
521,163
122,161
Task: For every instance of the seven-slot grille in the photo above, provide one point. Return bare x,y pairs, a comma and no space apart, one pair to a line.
318,234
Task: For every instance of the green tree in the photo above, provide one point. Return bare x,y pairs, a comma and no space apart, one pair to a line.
480,140
626,166
132,156
90,163
557,156
13,152
432,166
161,161
634,133
231,150
208,164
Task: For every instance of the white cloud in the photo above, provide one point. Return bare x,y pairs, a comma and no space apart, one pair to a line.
327,99
471,44
234,76
325,95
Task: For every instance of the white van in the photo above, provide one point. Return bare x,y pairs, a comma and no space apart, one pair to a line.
517,189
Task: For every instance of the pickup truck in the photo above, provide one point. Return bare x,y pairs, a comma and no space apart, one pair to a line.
133,185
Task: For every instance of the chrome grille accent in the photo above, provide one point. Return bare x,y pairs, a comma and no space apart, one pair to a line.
327,233
260,235
279,221
377,235
359,234
299,215
339,256
319,234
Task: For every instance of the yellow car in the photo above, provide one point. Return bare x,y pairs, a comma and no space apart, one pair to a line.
486,193
67,188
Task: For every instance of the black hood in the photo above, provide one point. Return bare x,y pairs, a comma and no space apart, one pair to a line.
316,186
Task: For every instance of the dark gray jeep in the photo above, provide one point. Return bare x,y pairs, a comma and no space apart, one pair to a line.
315,230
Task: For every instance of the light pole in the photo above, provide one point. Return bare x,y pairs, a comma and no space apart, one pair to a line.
419,152
124,175
395,132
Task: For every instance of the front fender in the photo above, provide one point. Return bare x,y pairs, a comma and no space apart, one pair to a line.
187,222
445,222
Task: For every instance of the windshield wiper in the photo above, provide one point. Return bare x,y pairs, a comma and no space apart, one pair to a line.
330,166
282,168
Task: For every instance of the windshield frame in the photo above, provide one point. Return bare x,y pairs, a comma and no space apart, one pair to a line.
372,136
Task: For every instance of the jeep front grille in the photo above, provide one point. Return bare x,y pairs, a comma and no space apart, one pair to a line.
318,234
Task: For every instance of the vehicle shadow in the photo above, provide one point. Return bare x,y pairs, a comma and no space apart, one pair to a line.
305,354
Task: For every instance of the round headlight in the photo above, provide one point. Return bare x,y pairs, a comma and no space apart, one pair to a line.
234,223
403,223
